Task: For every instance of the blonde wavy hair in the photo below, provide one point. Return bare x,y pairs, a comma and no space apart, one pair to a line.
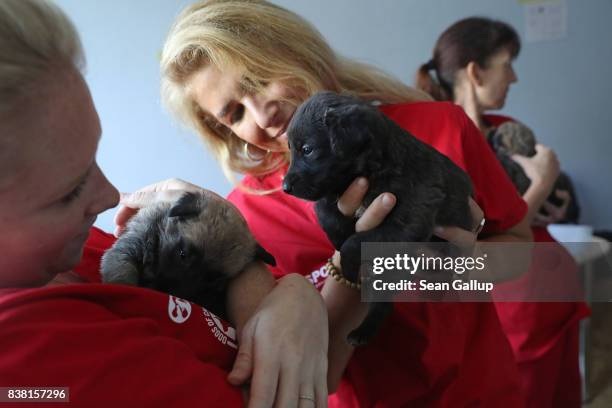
267,43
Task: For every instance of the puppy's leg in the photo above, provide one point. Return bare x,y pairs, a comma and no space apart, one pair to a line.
351,265
336,225
119,267
121,263
377,313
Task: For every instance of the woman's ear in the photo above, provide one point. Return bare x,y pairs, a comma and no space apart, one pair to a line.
474,73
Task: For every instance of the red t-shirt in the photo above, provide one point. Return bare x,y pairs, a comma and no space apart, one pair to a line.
115,344
534,328
426,354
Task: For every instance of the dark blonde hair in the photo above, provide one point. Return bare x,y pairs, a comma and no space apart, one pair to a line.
244,35
472,39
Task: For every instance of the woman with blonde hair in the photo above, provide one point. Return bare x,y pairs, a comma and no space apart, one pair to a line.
235,71
472,66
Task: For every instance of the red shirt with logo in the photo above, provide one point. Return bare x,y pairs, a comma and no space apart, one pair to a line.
115,343
427,354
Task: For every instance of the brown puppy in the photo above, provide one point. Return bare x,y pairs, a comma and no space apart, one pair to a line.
190,249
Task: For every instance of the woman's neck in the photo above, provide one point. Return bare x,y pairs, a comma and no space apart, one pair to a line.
465,96
66,278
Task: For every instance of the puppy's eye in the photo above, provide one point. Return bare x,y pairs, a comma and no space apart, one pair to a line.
182,253
306,150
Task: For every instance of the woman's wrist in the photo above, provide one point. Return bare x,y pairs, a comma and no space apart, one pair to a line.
246,291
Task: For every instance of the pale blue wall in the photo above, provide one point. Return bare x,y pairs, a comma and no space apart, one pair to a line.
562,91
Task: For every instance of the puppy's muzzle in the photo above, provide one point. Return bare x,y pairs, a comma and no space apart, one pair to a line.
288,183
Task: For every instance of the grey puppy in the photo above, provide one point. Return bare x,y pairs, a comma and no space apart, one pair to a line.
515,138
190,248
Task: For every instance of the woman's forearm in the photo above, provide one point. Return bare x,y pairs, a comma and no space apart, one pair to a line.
535,196
345,312
505,262
246,291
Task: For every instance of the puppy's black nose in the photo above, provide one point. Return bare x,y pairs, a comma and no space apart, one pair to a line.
287,186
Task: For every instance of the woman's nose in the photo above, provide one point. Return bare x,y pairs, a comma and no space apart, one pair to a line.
263,111
513,77
107,195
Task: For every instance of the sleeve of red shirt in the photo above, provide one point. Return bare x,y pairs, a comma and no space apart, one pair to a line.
494,191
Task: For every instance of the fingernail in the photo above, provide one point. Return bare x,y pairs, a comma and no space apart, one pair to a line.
438,230
387,201
362,182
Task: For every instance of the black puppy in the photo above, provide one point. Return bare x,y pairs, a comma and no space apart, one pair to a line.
334,139
190,248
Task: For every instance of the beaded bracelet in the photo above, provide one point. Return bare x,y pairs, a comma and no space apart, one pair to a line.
337,275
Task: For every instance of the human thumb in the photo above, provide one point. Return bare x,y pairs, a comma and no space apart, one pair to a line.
243,365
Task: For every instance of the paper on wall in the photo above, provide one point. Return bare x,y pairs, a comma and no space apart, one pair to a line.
545,20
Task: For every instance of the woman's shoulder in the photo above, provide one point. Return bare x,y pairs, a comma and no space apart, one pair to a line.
433,108
429,119
496,120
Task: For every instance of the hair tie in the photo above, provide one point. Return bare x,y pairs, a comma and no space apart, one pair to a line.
430,65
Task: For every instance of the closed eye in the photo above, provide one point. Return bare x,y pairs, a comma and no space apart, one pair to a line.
236,114
74,194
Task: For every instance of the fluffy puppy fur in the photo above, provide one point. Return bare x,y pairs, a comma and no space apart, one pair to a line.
334,139
515,138
190,249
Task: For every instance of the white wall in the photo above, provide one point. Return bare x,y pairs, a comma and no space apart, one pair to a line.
562,92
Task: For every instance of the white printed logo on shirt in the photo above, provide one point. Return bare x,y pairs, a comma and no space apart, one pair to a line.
317,277
179,310
225,333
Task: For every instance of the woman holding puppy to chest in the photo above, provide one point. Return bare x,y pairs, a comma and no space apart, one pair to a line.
235,71
472,65
109,344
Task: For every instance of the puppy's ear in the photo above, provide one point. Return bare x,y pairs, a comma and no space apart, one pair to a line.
350,128
185,207
264,255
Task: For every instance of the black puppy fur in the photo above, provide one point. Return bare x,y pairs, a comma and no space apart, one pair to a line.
333,140
190,249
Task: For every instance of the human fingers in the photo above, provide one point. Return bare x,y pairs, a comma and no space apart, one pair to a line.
122,216
351,199
376,212
264,383
541,220
289,389
131,203
243,365
456,235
